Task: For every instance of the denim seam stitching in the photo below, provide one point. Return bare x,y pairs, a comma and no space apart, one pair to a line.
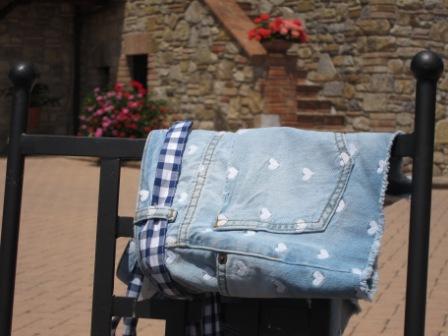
337,193
221,277
137,216
197,189
228,187
138,211
254,255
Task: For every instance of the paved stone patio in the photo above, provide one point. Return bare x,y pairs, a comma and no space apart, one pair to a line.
56,250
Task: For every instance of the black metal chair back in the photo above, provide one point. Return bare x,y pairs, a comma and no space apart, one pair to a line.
325,318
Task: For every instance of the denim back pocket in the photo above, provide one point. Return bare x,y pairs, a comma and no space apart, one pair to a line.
284,180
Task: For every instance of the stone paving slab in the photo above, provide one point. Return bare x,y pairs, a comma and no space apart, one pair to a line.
56,251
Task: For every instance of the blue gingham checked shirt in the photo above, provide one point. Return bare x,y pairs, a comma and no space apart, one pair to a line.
152,236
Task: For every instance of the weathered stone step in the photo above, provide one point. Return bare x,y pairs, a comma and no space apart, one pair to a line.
312,103
319,119
301,74
318,111
307,87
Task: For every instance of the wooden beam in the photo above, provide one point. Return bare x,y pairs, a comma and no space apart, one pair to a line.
237,23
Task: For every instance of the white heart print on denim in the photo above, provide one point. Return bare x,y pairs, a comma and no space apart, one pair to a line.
279,286
373,228
318,278
344,159
232,172
381,166
323,254
265,214
144,194
357,271
241,268
222,220
341,206
281,248
273,164
307,174
352,149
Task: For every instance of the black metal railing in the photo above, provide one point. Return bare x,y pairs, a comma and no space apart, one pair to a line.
427,68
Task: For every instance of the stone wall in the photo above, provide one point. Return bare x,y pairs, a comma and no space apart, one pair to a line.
195,64
40,33
360,53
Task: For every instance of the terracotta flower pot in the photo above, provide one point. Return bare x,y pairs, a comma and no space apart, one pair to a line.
276,46
33,118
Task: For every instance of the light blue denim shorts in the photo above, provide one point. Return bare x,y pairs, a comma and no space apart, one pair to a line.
273,212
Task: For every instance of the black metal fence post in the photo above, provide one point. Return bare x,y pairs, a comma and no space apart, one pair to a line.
427,68
22,76
106,234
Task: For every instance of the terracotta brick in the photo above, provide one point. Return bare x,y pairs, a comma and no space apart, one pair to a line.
288,118
136,43
311,103
311,119
217,48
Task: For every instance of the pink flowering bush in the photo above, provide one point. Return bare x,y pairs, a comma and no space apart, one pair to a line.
124,111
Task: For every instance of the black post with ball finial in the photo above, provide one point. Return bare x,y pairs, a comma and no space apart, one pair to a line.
23,76
427,67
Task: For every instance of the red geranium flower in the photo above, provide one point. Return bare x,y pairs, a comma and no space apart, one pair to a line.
278,28
264,33
264,16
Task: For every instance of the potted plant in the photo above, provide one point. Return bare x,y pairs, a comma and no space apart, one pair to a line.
124,111
277,34
39,98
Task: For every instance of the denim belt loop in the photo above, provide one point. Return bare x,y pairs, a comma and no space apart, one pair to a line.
161,212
